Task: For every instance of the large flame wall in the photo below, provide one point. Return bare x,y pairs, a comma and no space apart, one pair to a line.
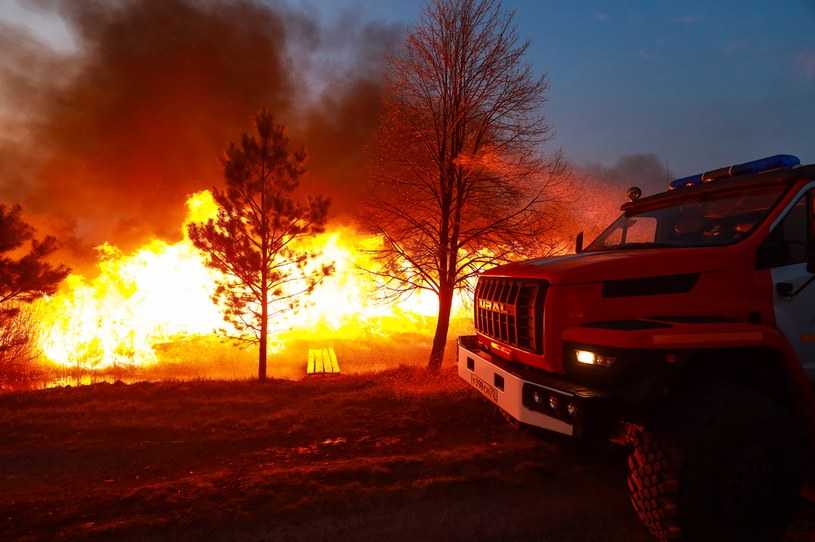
162,292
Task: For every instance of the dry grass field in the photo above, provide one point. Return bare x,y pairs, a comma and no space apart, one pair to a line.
387,456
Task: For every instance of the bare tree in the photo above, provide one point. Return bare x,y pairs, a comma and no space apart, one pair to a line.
253,241
460,183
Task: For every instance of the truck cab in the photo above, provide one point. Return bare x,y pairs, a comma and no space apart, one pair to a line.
703,290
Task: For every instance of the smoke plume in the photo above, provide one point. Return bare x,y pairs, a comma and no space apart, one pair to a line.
107,141
644,170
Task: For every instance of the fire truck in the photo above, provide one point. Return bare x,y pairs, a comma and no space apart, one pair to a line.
685,331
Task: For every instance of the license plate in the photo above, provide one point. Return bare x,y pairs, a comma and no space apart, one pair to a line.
486,389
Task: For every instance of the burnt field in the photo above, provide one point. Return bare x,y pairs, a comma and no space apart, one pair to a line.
388,456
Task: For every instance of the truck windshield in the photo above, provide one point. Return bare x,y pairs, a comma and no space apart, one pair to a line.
716,219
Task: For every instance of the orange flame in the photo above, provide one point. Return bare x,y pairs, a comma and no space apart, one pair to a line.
162,292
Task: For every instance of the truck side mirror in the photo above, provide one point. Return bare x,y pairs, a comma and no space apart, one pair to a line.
578,244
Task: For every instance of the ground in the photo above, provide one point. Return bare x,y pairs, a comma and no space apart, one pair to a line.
388,456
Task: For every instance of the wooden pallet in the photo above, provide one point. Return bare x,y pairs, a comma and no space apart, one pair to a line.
322,361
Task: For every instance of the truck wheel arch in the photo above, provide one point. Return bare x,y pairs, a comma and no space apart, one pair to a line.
767,371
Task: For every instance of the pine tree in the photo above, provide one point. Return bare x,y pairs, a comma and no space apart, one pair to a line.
29,276
253,240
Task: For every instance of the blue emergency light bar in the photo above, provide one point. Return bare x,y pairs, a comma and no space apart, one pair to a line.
779,161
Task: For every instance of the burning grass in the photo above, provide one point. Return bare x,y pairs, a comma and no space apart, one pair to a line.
209,357
154,307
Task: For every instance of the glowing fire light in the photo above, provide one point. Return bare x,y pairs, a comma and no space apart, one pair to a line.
162,292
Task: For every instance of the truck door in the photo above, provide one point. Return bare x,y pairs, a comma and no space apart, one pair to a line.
784,252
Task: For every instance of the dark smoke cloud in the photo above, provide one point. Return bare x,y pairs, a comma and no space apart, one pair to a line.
644,170
337,129
115,136
29,72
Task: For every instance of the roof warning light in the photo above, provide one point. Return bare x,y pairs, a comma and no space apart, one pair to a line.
779,161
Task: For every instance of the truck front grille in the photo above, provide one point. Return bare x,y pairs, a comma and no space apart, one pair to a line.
511,311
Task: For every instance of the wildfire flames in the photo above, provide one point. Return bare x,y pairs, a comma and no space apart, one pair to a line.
161,293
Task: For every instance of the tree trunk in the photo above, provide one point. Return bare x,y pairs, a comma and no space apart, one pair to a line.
262,356
442,326
264,331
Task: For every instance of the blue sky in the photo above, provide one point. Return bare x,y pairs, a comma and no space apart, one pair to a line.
700,84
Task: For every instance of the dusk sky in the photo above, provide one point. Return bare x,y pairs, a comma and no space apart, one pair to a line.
699,84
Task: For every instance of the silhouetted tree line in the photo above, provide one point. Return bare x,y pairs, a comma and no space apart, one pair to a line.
25,275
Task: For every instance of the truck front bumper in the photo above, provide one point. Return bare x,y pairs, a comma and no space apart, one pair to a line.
536,398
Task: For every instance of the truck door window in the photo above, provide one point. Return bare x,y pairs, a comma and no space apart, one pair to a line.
811,240
811,196
787,242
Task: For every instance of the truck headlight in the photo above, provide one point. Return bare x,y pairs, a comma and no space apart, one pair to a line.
588,357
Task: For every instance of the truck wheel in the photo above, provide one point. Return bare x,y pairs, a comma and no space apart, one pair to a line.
722,465
653,481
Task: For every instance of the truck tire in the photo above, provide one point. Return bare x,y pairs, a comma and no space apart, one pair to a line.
720,465
653,471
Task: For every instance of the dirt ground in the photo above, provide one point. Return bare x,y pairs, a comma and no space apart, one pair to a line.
389,456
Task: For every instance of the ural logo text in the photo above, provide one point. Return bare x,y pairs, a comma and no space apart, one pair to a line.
495,306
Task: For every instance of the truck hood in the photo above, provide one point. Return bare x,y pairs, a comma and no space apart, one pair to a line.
615,265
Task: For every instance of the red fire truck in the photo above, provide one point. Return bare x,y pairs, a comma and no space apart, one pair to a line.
686,331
